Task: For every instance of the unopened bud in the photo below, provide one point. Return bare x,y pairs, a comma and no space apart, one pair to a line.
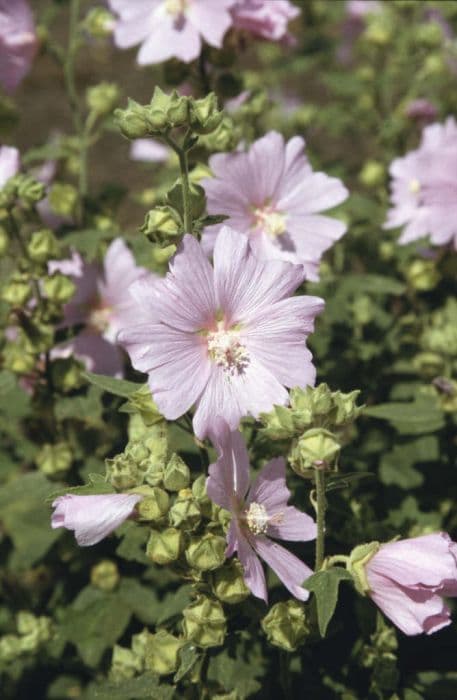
315,447
43,246
55,459
285,625
205,116
228,583
30,191
105,575
162,653
58,288
18,291
155,505
99,22
185,512
205,623
206,553
164,547
422,275
101,99
176,475
132,120
162,223
125,664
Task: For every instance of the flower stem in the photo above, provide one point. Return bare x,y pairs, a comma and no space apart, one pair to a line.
184,167
321,505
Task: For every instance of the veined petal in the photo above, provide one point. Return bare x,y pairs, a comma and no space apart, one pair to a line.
253,573
229,476
288,568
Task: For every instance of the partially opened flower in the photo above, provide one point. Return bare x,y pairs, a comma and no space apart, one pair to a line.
10,163
102,303
264,18
424,187
259,512
227,339
272,195
170,28
408,578
93,517
18,42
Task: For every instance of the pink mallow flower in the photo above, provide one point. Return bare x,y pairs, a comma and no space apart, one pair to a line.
170,28
264,18
18,42
10,162
272,195
408,578
424,187
92,517
259,512
227,339
149,151
102,303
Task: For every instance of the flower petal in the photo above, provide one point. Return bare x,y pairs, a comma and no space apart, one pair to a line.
92,517
253,573
288,568
229,476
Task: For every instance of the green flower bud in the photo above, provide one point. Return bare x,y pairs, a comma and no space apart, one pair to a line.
185,511
4,241
363,309
206,553
200,495
132,121
105,575
434,65
177,474
10,648
279,424
228,583
63,199
140,643
162,653
164,547
167,111
204,622
18,291
422,275
25,622
30,191
43,246
58,288
155,506
101,99
66,374
123,472
346,407
161,256
429,364
221,139
99,23
17,360
315,448
204,114
125,664
387,250
372,174
55,459
429,34
162,223
358,558
285,625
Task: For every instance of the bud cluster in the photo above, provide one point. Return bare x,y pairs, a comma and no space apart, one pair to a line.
32,633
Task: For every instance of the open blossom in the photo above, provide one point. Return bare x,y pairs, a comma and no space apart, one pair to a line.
92,517
408,578
149,150
170,28
18,42
10,163
226,340
424,187
102,303
259,512
264,18
272,195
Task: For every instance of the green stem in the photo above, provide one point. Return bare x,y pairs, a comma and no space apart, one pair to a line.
337,559
321,505
184,167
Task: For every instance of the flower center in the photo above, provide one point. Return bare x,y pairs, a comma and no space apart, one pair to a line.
99,318
226,350
271,221
414,186
257,518
175,7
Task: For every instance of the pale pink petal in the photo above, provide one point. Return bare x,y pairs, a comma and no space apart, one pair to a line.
95,352
288,568
322,192
18,42
176,362
10,162
412,611
149,150
253,574
229,476
293,526
245,284
211,19
263,153
166,40
92,517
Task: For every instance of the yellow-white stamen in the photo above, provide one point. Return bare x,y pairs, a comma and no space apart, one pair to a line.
414,186
99,318
175,7
257,518
271,221
226,350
